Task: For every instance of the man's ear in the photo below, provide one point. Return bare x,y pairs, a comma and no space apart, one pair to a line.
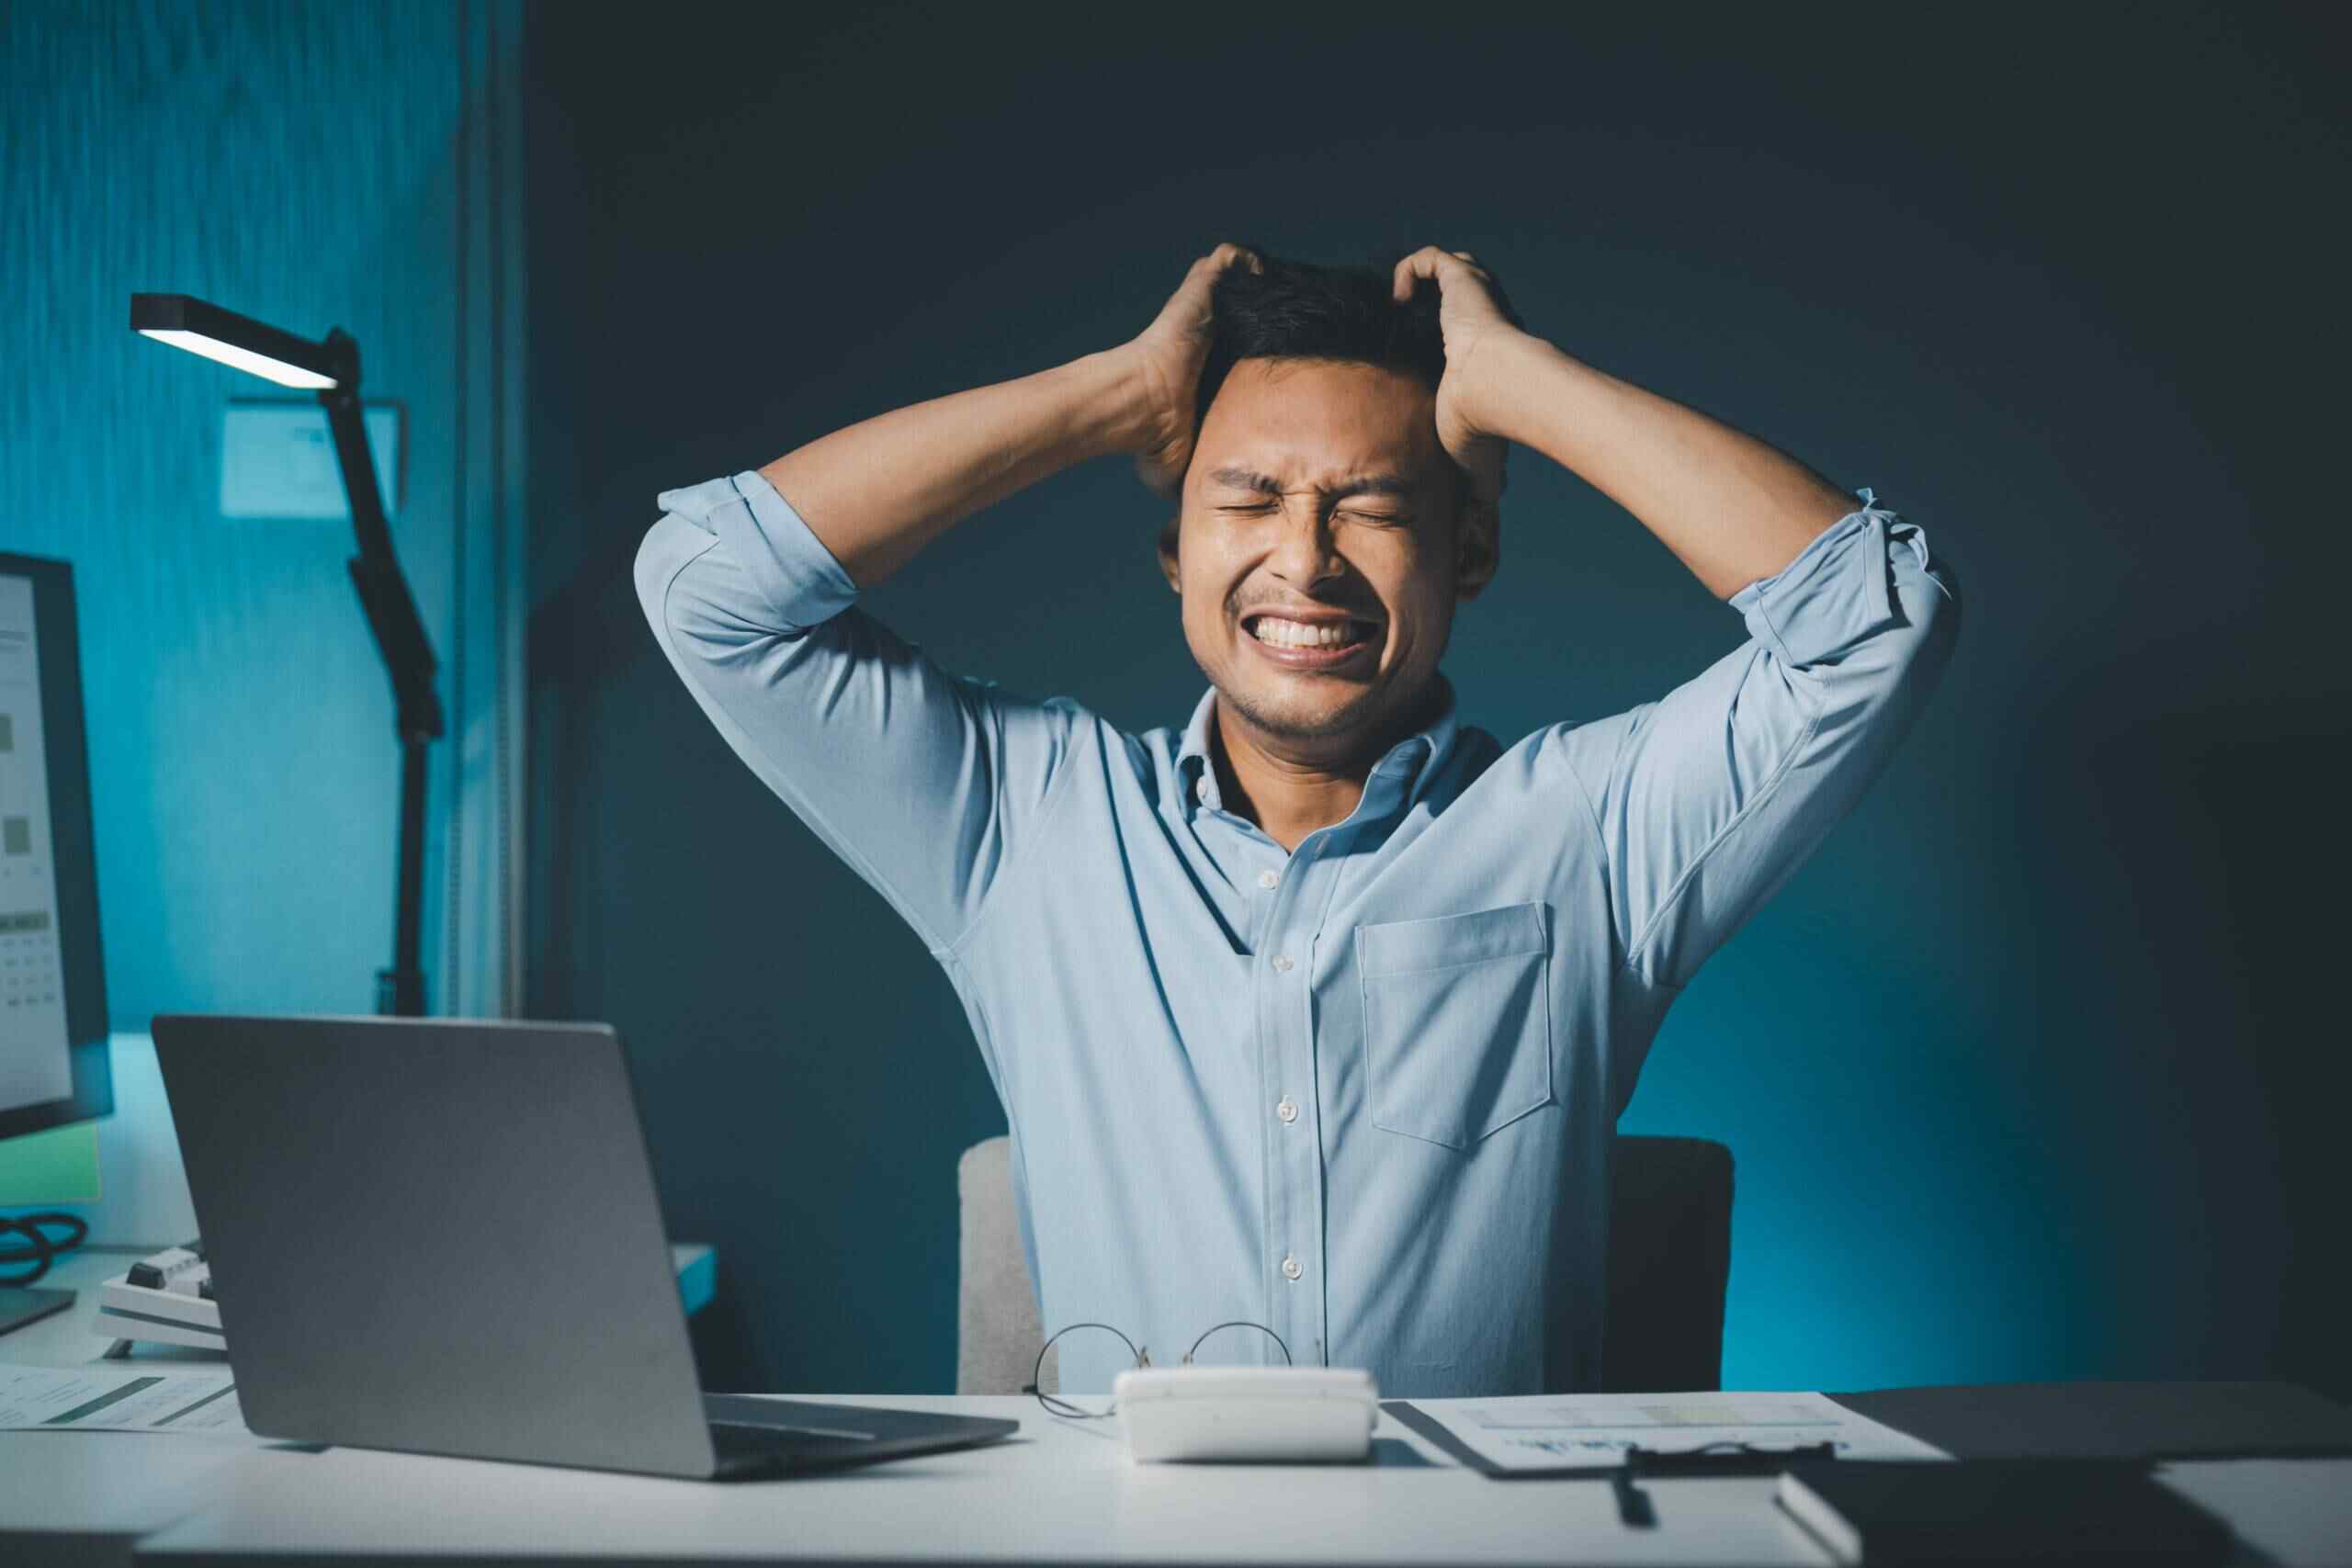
1168,533
1477,546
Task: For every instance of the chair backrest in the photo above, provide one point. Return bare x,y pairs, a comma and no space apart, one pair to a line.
997,1332
1670,1260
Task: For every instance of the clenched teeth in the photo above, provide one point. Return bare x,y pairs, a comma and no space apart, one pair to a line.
1298,634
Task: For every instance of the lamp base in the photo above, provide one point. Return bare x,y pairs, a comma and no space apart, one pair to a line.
20,1307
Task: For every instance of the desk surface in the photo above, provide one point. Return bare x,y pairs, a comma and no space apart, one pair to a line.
1059,1491
1064,1492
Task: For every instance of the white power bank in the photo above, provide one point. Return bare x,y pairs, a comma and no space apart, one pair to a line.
1289,1415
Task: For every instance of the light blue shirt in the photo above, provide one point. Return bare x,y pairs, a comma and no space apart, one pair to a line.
1362,1092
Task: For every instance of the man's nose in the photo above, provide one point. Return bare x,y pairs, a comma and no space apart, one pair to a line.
1305,551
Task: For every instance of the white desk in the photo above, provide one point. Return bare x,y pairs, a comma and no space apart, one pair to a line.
1057,1492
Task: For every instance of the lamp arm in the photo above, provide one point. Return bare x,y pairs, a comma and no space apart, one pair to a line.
408,657
375,570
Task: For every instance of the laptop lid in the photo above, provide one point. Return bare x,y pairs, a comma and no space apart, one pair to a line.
437,1236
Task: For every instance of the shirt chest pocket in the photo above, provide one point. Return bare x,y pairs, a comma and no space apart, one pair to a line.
1457,1018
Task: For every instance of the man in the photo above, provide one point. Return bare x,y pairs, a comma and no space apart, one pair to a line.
1320,1012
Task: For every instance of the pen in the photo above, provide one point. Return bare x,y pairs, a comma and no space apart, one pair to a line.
1633,1509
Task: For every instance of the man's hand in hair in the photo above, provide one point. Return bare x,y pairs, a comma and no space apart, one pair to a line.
1167,356
1475,320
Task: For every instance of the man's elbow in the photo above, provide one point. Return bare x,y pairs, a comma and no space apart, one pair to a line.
1930,598
698,601
1918,646
663,557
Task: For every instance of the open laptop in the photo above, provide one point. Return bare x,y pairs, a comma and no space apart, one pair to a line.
442,1236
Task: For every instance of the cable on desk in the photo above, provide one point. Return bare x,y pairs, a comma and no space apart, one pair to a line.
43,1252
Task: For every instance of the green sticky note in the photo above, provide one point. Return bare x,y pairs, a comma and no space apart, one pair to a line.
59,1166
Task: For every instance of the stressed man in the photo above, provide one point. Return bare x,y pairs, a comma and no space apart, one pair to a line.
1318,1010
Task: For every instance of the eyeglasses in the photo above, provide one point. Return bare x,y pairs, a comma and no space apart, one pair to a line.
1056,1405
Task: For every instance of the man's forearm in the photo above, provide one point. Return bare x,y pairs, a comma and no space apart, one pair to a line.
1730,507
880,490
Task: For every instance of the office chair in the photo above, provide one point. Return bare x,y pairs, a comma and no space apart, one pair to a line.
1669,1260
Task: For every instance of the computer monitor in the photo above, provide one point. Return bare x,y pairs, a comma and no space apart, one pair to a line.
53,1066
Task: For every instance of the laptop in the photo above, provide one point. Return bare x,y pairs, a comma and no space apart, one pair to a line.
442,1236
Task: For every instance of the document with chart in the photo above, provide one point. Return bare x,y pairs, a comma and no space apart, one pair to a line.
113,1396
1594,1430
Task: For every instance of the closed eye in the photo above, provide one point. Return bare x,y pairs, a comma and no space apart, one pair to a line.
1359,517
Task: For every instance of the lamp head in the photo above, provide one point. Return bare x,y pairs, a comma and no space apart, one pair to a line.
191,324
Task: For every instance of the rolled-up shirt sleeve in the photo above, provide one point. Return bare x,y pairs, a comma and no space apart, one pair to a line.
926,783
1709,799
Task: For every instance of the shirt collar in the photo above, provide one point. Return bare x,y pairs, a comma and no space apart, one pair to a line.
1406,767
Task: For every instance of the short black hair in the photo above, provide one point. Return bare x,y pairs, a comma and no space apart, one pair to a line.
1299,311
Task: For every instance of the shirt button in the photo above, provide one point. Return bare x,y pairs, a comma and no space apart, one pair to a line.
1286,1109
1291,1270
1282,963
1269,878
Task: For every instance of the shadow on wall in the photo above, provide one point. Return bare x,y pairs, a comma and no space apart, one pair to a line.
2195,856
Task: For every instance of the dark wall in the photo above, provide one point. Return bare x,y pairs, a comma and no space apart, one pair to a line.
2028,1072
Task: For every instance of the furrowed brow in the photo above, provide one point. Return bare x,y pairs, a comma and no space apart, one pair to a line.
1358,484
1242,478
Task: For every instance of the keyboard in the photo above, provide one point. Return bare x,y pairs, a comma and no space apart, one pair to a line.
165,1298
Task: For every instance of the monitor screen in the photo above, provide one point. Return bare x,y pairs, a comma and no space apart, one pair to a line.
53,989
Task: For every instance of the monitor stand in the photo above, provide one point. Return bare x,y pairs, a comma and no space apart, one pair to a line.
20,1307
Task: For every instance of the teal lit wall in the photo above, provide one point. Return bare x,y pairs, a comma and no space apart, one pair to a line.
309,165
2027,1072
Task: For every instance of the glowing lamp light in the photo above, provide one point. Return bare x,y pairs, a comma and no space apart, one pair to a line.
240,341
229,354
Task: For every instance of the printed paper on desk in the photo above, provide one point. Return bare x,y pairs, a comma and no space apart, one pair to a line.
114,1396
1593,1430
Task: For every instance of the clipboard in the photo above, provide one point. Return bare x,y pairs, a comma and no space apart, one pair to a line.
1634,1509
1707,1459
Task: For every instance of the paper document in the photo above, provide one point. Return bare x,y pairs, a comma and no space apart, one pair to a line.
114,1396
1593,1430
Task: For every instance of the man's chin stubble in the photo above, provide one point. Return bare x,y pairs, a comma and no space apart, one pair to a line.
1345,718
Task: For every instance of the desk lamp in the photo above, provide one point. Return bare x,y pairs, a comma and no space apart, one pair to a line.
331,368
